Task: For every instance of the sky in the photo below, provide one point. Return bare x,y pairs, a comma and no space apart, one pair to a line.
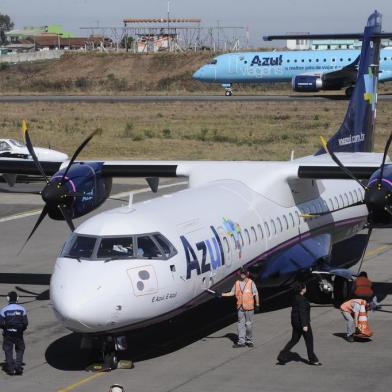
260,16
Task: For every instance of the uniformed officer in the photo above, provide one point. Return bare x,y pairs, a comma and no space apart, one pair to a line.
13,321
246,292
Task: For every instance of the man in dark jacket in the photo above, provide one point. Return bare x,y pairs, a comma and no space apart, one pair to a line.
13,321
300,321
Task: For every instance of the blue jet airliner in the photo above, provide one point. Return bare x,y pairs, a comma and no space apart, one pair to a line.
308,70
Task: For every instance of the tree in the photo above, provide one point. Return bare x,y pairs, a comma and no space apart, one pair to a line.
6,24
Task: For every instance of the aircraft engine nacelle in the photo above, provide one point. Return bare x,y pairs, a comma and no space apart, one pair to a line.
378,197
83,190
307,83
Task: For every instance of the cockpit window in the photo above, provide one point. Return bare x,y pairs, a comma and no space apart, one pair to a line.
4,146
115,247
213,61
141,246
79,246
147,249
16,143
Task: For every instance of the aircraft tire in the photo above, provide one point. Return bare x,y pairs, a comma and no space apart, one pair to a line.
341,290
349,91
314,294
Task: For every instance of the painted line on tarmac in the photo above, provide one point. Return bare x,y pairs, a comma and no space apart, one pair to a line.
377,251
85,380
118,195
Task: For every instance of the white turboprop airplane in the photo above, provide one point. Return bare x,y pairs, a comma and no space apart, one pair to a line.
137,265
11,150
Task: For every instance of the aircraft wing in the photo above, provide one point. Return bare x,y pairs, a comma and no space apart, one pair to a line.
362,165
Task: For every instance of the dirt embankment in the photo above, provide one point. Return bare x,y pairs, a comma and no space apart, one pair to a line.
92,73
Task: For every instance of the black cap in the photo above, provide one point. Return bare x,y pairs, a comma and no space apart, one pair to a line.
243,270
12,296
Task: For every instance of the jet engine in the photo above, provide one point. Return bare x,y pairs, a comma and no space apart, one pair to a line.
307,83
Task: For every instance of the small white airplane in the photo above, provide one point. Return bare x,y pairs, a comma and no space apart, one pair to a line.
137,265
12,150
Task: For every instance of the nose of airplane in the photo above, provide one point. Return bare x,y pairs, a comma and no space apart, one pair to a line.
198,75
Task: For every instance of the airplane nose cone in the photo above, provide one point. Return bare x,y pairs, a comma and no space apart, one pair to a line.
198,75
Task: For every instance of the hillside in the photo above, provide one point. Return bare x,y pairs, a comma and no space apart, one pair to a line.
91,73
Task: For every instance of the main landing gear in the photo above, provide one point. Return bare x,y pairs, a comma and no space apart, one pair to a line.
349,91
228,89
104,352
325,289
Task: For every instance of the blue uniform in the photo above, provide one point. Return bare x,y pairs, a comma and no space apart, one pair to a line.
13,321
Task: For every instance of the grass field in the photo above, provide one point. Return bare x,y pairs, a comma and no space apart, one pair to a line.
186,130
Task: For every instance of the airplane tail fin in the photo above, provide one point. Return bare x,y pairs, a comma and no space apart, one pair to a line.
356,134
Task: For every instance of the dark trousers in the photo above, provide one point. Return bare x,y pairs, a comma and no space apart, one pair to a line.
9,342
296,336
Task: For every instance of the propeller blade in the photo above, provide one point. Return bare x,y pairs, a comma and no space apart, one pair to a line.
29,145
340,164
67,218
77,152
364,251
385,156
314,215
39,220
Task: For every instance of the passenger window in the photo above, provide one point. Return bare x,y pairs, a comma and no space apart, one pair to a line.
341,200
260,231
227,245
267,230
115,247
273,227
254,233
247,235
279,224
286,222
336,203
242,239
298,217
292,219
146,248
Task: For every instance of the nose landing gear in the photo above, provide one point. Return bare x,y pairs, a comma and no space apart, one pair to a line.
105,352
228,89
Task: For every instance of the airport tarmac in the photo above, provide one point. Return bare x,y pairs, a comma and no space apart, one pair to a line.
193,352
174,98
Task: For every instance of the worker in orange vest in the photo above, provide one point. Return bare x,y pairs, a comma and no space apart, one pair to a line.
354,312
363,287
246,293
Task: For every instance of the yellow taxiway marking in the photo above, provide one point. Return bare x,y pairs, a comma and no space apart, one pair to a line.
377,251
85,380
21,215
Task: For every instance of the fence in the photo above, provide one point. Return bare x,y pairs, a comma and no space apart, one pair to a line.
31,56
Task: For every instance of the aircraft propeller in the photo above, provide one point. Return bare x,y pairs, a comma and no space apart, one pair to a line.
56,194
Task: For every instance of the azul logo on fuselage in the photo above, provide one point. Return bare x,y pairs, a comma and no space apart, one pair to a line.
212,255
266,61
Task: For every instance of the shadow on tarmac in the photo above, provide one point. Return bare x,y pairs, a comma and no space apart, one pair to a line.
163,338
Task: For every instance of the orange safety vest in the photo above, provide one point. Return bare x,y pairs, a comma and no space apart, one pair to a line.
363,287
245,298
348,305
363,324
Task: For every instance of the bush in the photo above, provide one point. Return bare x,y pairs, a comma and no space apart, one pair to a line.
166,133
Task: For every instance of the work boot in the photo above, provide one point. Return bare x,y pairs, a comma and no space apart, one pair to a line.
238,345
18,371
350,338
250,344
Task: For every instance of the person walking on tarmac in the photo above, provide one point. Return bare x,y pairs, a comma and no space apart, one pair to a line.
300,321
13,321
246,292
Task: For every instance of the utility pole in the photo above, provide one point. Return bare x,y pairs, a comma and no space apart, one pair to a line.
168,25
